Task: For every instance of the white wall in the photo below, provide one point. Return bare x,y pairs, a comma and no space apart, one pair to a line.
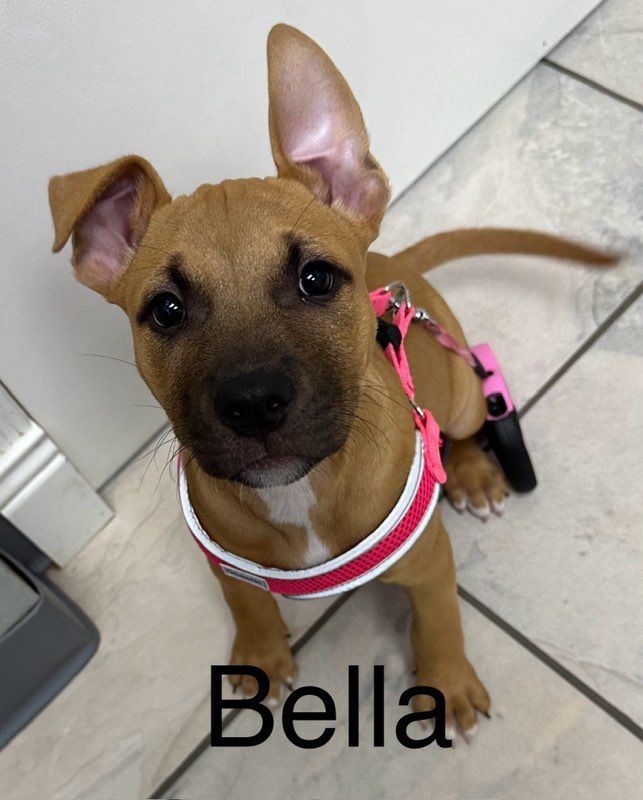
184,84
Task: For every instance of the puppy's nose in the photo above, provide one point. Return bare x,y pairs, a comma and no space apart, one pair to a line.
255,403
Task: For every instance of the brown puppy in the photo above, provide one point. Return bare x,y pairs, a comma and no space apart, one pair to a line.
262,285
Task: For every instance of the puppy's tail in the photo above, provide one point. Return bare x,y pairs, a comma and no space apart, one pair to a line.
435,250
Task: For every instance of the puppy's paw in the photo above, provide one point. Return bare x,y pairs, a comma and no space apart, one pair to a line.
464,694
474,481
273,656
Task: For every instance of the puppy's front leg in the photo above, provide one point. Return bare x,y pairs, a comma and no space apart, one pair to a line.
261,638
428,575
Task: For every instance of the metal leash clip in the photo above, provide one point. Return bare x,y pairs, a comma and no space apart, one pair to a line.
399,294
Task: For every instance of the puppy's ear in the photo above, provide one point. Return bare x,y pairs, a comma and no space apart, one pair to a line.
106,211
317,132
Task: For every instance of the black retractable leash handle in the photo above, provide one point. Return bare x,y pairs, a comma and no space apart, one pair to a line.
506,440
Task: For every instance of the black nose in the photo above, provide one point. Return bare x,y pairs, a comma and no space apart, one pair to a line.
255,403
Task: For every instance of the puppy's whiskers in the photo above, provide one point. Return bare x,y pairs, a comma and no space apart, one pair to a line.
111,358
162,442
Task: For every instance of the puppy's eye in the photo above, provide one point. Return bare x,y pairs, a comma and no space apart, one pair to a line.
167,310
317,279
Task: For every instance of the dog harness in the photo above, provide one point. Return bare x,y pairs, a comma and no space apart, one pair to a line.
399,531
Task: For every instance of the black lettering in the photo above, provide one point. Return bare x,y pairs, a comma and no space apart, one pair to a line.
378,705
218,704
289,715
438,712
353,705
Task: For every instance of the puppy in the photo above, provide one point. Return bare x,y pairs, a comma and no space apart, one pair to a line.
260,288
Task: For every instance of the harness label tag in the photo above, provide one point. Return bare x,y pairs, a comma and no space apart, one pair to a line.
248,577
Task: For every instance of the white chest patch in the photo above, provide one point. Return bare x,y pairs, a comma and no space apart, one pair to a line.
291,505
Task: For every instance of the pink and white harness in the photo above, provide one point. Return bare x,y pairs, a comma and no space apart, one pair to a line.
403,525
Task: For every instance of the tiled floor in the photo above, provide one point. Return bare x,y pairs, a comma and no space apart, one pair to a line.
561,568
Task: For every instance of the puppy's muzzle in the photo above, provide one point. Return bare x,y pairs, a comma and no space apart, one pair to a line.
254,403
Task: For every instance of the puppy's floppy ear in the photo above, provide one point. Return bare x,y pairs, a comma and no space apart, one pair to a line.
106,211
317,132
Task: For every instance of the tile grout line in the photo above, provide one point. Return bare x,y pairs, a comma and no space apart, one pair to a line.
611,710
591,84
202,746
569,362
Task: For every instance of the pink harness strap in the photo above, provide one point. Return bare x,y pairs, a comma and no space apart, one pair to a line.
382,548
381,300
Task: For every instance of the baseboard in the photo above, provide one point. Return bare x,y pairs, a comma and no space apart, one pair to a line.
41,492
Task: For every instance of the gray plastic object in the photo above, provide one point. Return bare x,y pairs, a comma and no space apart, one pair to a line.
45,647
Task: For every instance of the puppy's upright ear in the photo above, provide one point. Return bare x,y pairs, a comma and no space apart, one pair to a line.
317,132
106,211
